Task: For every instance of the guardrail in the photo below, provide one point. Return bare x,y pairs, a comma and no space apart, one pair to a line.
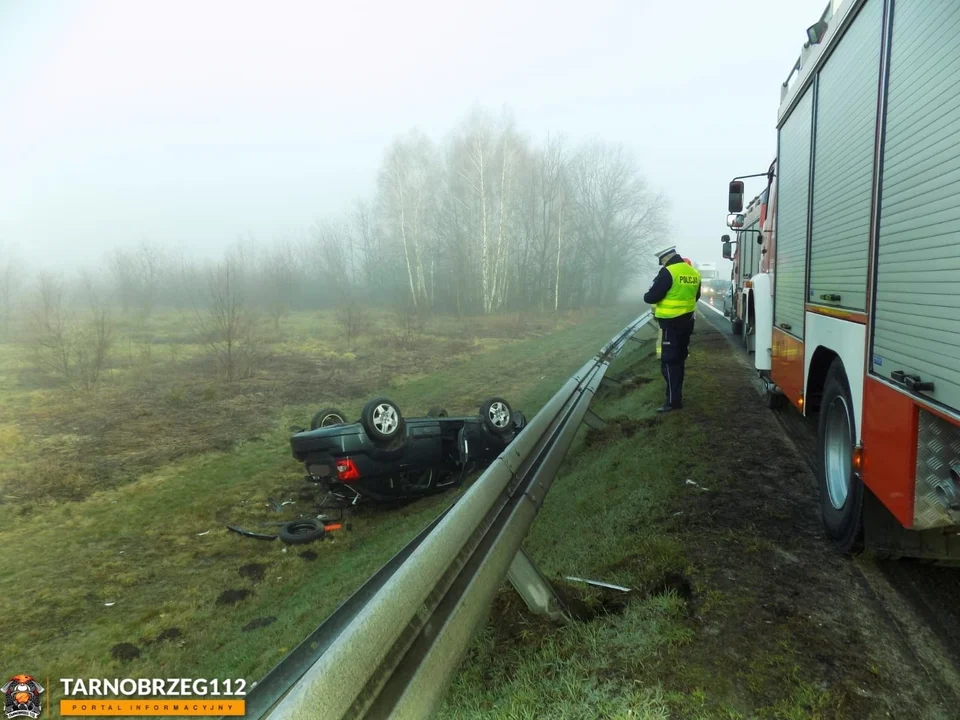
392,648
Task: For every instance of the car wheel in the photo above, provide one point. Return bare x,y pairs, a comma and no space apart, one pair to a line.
381,419
437,412
300,532
463,447
327,417
841,489
496,415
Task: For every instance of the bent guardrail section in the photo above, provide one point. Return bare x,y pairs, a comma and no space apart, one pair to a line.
391,649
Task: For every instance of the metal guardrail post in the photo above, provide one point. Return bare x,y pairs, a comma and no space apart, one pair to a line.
592,420
535,589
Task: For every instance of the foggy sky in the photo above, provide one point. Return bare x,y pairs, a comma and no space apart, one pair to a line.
195,123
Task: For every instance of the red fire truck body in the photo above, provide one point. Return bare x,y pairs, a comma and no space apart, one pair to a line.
856,302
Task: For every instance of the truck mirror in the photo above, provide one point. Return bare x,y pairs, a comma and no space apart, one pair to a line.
735,222
735,199
816,32
728,251
724,238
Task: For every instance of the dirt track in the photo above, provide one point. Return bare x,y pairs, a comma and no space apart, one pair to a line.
758,535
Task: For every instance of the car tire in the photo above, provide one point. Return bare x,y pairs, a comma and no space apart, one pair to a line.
327,417
382,420
437,412
519,420
495,414
841,489
300,532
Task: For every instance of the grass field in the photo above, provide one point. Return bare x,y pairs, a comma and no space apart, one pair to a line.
115,503
739,607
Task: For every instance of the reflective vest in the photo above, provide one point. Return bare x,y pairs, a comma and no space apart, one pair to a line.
682,296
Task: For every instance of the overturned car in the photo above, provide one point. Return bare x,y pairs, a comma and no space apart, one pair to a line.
385,456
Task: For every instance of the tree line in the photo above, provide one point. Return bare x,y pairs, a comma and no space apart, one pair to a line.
482,222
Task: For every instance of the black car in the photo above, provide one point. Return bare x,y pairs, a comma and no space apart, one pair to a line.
384,456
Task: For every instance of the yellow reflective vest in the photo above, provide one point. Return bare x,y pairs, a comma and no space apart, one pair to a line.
682,296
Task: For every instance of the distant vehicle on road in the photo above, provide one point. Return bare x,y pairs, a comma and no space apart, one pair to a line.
384,456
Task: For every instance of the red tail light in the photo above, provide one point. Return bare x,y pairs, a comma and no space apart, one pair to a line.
347,470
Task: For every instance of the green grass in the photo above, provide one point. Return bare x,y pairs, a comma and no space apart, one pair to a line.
691,640
139,545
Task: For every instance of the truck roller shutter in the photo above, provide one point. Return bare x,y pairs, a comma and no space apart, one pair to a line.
793,193
843,164
917,315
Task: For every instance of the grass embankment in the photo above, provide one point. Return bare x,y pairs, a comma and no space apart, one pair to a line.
188,604
739,607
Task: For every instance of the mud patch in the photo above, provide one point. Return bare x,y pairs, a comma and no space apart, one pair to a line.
259,623
308,555
232,597
253,572
616,429
632,383
515,625
124,652
173,633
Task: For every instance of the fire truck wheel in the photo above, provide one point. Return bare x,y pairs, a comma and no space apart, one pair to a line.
841,490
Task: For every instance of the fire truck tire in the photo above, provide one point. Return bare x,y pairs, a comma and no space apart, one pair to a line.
841,490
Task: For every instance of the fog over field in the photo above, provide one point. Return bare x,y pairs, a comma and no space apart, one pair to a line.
191,125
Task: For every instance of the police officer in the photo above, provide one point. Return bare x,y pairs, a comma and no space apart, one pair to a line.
674,296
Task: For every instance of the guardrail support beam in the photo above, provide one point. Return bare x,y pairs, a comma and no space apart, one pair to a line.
535,589
610,383
591,419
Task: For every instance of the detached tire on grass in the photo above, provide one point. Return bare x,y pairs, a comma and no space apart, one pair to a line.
841,489
301,532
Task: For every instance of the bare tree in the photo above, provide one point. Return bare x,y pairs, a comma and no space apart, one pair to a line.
10,280
69,345
138,275
227,324
406,183
279,282
617,217
95,338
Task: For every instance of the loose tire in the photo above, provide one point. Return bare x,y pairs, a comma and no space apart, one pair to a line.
382,420
437,412
841,490
327,417
496,415
300,532
519,420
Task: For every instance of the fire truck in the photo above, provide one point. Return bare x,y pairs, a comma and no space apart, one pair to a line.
747,253
855,307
